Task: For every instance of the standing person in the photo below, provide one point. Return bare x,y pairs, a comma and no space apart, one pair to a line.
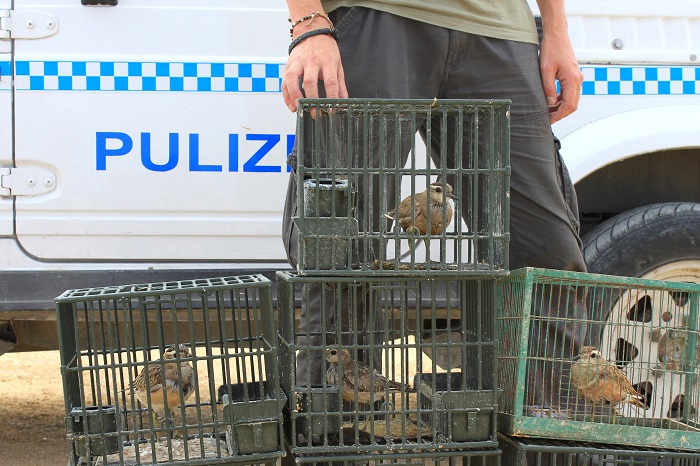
459,49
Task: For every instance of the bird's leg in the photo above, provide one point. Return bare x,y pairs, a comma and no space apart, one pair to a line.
427,245
165,421
365,423
370,416
411,233
614,414
168,423
177,433
155,424
365,426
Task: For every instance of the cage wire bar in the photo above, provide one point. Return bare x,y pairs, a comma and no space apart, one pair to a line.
434,338
519,451
220,403
356,159
646,330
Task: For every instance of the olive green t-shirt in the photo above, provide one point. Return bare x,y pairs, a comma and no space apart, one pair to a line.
502,19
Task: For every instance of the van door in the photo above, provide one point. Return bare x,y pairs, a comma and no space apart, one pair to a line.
5,124
161,123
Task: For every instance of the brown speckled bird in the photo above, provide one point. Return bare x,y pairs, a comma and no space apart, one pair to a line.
430,205
371,385
600,382
173,384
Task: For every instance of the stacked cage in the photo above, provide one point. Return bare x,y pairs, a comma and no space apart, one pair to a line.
387,326
171,373
518,451
598,358
355,161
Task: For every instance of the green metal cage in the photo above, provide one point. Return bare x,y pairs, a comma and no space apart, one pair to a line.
356,159
645,332
214,397
490,457
433,337
519,451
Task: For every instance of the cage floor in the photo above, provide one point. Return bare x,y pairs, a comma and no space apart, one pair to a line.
165,451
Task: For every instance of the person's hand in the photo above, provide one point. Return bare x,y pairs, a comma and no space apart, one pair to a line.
312,60
558,62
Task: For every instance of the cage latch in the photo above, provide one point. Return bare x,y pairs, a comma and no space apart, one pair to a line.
471,420
257,428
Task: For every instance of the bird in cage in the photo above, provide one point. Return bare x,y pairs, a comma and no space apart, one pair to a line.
674,350
164,381
371,386
426,212
598,381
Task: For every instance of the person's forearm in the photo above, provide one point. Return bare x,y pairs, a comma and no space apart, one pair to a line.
553,14
558,61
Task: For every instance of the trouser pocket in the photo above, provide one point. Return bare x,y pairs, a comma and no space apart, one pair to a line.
567,189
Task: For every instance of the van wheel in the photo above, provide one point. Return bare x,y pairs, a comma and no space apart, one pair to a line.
658,241
661,242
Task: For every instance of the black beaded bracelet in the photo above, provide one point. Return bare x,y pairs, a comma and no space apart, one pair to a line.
315,32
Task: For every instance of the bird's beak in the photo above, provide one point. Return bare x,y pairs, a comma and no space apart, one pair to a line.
452,196
577,357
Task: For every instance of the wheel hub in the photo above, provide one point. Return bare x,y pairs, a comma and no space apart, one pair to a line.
647,336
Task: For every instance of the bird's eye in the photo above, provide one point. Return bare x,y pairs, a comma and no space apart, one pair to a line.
438,189
594,355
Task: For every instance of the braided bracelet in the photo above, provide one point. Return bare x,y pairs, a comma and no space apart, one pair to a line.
311,19
315,32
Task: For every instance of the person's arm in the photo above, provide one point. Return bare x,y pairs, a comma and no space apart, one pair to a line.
313,59
558,61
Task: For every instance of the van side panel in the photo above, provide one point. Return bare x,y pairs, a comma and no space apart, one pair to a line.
164,126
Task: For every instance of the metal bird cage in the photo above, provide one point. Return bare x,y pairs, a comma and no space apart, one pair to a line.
518,451
215,400
489,457
432,338
357,159
645,337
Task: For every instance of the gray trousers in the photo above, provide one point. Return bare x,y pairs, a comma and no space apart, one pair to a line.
387,56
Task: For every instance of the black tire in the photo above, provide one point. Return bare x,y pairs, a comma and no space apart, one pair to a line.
640,240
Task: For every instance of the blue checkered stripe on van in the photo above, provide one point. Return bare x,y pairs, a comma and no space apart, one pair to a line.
143,76
640,80
267,77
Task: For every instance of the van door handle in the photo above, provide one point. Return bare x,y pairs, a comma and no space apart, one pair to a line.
99,2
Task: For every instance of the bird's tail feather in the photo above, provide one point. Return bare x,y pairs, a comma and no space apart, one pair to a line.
638,400
396,386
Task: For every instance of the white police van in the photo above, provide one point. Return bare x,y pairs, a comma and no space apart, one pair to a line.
146,140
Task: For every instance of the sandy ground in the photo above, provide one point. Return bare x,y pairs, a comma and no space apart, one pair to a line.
31,410
32,431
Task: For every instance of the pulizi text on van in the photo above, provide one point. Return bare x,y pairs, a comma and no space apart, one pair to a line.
253,157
